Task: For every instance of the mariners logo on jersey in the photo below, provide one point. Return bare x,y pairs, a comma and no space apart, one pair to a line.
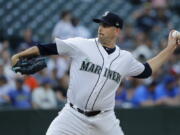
88,66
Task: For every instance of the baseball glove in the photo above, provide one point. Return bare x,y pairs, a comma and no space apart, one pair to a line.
30,65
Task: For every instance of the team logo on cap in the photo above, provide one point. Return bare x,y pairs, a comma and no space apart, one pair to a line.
117,24
106,13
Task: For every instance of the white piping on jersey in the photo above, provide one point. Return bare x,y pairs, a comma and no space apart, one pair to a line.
99,77
105,80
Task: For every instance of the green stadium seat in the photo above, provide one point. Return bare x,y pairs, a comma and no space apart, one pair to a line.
45,13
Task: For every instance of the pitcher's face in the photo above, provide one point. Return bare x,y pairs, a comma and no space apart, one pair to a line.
107,33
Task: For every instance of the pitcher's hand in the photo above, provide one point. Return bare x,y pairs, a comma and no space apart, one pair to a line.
173,41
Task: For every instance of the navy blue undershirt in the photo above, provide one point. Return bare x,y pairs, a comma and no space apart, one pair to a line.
51,49
146,73
109,50
47,49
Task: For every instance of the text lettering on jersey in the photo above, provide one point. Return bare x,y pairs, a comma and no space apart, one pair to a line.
93,68
112,75
90,67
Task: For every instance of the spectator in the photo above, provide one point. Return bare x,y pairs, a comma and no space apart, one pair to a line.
138,41
138,2
60,85
62,65
4,89
41,75
5,46
127,40
80,30
146,95
159,3
62,88
20,96
27,39
145,49
5,65
31,82
145,21
178,86
125,94
168,91
64,29
162,16
5,55
44,97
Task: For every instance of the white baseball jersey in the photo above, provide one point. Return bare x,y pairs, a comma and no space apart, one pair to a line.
94,74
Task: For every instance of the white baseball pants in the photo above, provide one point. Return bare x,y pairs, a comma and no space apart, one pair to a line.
71,122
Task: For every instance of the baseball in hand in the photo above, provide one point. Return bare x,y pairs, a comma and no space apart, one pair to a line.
176,34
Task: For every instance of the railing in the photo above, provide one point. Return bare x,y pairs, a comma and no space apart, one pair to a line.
142,121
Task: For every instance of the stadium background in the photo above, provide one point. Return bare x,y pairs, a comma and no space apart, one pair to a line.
147,23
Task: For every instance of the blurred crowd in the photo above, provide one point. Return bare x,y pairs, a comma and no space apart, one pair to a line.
143,35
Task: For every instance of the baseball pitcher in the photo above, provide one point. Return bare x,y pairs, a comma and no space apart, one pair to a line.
97,68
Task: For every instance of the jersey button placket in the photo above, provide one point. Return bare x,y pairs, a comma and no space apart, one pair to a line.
98,88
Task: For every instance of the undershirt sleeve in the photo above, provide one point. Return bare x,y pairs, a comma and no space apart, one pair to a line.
146,73
47,49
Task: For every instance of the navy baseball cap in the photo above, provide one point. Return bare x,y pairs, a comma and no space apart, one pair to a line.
110,19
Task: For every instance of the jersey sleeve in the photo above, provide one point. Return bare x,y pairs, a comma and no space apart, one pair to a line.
134,66
70,47
146,73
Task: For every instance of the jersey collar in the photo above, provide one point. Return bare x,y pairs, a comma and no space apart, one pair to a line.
105,53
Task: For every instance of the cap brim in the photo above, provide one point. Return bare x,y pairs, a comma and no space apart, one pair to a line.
101,21
97,20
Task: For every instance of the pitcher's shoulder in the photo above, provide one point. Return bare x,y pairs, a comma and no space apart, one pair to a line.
81,39
126,53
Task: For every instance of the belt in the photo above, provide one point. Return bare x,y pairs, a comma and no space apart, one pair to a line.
87,113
